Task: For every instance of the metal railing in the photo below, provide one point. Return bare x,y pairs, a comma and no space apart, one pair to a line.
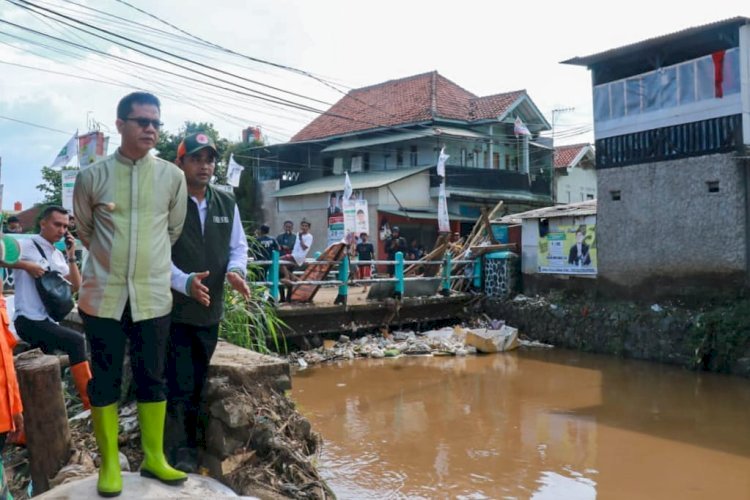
343,267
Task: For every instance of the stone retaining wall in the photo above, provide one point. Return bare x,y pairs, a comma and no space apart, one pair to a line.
715,338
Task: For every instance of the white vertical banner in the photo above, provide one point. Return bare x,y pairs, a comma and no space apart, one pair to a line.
442,158
347,188
234,172
68,182
444,225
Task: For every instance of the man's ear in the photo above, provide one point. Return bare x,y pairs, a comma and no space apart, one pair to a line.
119,124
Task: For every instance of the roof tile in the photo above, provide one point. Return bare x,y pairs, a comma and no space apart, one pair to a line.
414,99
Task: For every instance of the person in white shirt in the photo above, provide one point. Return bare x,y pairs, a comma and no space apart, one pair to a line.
296,259
33,324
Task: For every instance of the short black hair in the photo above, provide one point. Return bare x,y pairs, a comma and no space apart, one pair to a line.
288,222
125,106
360,211
264,229
53,209
13,218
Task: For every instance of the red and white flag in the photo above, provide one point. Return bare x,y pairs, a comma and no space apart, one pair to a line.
519,128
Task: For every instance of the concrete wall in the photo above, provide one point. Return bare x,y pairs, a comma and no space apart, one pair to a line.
667,230
412,192
575,186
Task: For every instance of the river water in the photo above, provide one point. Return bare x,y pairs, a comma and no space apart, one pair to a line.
543,424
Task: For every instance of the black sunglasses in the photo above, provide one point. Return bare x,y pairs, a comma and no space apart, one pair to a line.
145,122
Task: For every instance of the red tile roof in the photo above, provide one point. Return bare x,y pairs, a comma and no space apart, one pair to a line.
564,155
409,100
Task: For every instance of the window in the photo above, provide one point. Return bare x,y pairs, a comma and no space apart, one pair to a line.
338,166
495,160
366,162
399,157
617,93
704,70
713,186
589,196
633,93
601,102
413,156
615,195
686,74
356,163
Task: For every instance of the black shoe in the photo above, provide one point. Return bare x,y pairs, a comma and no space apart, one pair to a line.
186,460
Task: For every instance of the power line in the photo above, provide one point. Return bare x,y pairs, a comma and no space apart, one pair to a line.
30,124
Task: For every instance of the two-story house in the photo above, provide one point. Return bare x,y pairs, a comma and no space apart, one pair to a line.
388,138
671,126
575,173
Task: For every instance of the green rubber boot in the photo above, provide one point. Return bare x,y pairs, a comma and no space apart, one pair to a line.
106,429
151,419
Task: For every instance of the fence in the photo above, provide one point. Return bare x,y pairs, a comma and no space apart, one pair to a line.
342,270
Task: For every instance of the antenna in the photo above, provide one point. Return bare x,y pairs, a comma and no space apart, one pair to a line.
556,112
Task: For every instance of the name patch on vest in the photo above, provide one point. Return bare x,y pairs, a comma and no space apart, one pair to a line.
221,219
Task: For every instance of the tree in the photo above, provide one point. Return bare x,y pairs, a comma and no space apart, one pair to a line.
52,186
168,143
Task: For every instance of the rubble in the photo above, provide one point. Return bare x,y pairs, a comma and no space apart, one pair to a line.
448,341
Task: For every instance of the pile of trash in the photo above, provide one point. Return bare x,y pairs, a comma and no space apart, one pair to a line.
485,337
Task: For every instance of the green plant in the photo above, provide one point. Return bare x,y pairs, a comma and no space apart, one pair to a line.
253,323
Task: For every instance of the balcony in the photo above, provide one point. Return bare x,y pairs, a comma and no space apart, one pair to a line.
491,180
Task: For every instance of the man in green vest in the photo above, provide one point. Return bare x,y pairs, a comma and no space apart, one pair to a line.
212,249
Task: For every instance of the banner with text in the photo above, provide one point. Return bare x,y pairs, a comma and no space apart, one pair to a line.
568,250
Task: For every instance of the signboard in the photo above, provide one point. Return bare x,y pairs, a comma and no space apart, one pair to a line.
356,219
68,182
335,229
569,250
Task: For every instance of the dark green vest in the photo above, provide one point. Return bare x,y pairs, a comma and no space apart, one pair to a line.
195,252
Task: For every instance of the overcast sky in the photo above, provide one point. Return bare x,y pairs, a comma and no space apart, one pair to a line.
487,47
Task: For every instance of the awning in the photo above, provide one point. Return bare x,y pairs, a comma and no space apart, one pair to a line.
426,215
359,180
403,136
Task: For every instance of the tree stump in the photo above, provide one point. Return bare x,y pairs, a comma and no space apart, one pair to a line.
45,418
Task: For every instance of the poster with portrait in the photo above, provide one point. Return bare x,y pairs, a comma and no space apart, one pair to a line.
68,178
569,250
356,220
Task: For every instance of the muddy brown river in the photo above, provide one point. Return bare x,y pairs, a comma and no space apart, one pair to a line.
542,424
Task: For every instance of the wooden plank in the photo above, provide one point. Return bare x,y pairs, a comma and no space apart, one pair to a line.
317,272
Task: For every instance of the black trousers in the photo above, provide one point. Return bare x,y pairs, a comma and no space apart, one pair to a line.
148,348
190,351
49,337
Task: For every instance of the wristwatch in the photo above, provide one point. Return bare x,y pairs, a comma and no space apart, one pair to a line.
71,259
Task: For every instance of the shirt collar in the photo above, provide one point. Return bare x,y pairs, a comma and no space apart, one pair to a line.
132,163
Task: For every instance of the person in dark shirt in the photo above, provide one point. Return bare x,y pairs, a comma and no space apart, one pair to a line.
394,244
287,239
264,249
365,251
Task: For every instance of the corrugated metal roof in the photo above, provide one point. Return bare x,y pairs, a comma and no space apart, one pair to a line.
654,42
364,180
570,210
